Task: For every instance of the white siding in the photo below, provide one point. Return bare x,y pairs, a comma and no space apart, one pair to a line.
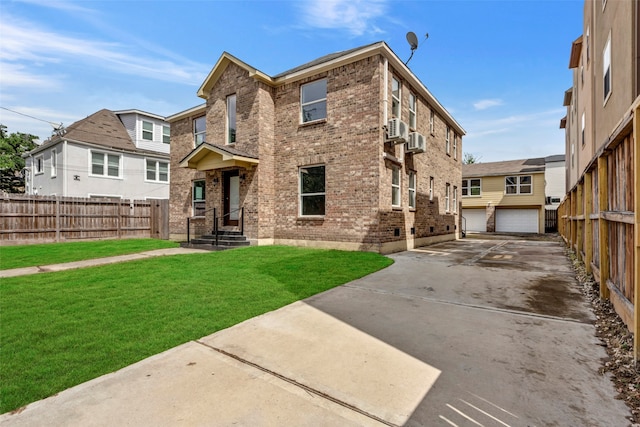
129,122
555,176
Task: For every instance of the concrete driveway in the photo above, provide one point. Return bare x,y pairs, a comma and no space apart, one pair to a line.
466,333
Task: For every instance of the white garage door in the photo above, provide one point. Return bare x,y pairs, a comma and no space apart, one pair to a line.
517,220
476,219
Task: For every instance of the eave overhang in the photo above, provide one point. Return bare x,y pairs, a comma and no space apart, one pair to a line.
576,50
563,122
568,95
209,157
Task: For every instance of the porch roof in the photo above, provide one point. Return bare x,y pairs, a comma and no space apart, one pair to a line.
211,156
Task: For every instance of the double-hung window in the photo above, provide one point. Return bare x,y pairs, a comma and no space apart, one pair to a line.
412,111
147,130
455,146
431,122
313,101
231,119
412,189
54,164
166,134
471,187
430,188
519,184
447,198
395,97
606,69
395,187
312,190
447,141
455,199
198,198
157,171
104,164
199,130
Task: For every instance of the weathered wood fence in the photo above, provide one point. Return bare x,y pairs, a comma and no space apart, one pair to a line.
41,219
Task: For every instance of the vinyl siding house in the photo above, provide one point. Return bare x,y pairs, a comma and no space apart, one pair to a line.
348,151
506,196
123,154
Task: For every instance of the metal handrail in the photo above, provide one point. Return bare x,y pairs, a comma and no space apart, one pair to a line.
215,222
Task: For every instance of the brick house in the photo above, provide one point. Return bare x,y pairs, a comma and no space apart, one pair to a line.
349,151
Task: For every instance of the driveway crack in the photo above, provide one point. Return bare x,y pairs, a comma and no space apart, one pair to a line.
484,253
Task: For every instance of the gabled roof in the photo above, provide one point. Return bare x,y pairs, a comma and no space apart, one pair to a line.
208,156
325,63
508,167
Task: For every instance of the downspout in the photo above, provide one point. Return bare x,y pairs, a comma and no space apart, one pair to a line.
385,95
65,178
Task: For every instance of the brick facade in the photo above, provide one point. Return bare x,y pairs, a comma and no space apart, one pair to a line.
350,143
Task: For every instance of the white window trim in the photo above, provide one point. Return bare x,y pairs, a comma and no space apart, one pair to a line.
228,121
468,187
38,161
432,120
157,171
447,197
412,189
455,146
54,163
606,64
398,187
147,131
193,197
455,199
398,98
431,188
106,155
168,134
413,111
315,101
301,195
518,185
447,140
202,132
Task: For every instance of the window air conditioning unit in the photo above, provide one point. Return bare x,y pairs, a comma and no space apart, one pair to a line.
397,131
416,143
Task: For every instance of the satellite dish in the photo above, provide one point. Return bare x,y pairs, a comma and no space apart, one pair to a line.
413,40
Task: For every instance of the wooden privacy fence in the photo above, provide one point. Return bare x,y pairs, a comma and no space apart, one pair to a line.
41,219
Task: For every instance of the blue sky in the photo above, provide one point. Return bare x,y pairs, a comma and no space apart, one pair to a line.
499,67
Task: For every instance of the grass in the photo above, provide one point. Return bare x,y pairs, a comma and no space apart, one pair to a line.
56,253
61,329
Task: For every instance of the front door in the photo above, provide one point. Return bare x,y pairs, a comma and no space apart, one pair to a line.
231,194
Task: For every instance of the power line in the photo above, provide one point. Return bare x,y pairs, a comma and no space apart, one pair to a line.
56,126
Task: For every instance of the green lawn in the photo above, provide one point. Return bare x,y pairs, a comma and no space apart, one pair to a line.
61,329
56,253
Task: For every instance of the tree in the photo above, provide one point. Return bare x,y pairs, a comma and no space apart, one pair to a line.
470,158
12,147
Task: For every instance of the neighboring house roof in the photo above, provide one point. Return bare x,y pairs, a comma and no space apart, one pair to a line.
324,63
143,113
102,128
555,158
503,168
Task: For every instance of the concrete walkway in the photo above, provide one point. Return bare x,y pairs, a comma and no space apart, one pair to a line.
466,333
96,261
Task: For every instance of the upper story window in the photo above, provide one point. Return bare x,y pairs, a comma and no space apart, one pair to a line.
430,188
606,68
103,164
199,130
471,187
447,141
520,184
588,50
431,122
231,119
412,189
157,171
395,187
313,101
395,97
412,111
166,134
312,190
582,133
38,165
455,146
147,130
455,198
198,198
54,164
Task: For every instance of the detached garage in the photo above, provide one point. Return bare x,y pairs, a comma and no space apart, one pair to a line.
517,220
474,220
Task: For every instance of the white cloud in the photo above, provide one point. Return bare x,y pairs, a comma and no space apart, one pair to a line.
355,16
487,103
18,75
24,42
